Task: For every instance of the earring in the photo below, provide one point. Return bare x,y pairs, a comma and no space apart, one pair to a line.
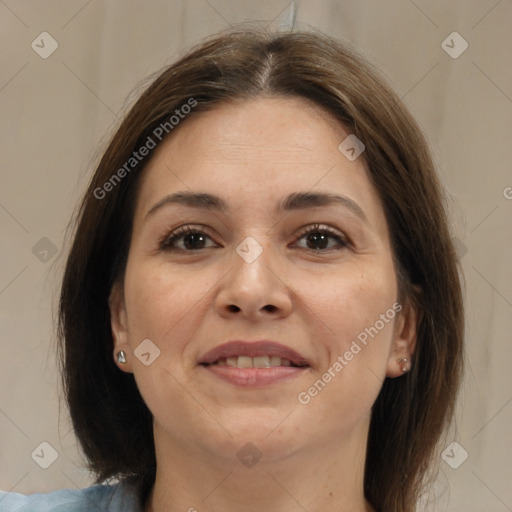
403,362
121,357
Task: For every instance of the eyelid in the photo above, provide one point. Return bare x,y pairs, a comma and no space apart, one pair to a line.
320,227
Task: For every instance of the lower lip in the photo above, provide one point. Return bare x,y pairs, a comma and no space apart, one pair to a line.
254,377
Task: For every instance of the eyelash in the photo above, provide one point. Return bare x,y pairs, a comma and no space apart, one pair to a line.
165,244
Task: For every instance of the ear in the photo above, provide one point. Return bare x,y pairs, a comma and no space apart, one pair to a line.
119,326
404,339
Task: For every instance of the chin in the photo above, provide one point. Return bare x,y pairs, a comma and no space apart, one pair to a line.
271,431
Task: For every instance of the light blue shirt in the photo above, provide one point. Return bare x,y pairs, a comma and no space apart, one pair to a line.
119,497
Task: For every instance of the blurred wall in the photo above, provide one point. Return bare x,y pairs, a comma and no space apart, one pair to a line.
58,109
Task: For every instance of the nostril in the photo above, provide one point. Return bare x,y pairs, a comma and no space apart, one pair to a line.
233,308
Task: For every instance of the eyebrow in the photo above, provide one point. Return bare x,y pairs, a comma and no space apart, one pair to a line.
294,201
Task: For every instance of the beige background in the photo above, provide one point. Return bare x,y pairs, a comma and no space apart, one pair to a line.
57,114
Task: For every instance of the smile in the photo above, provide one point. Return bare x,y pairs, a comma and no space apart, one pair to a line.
254,362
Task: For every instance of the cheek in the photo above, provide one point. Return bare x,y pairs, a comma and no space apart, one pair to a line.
360,313
359,310
161,307
158,301
354,300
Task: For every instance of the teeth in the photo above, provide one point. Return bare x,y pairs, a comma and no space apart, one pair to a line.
244,362
261,362
254,362
276,361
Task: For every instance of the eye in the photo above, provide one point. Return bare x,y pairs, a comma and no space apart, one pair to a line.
189,239
193,239
318,237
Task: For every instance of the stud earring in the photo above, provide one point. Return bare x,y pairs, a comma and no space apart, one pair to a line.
121,357
403,361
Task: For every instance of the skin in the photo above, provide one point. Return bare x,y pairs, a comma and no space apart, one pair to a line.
253,154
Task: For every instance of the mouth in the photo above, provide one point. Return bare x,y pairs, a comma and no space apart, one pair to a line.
256,363
265,361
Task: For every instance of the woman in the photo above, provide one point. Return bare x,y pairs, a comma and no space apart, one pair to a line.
261,309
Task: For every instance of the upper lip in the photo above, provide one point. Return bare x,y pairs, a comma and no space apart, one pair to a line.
253,349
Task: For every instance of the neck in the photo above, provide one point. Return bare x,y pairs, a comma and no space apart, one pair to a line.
327,478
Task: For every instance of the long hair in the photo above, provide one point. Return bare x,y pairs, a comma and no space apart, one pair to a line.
110,419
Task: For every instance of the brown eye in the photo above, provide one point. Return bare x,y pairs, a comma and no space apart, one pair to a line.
185,238
317,238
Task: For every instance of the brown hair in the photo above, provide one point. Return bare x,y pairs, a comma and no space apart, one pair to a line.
110,419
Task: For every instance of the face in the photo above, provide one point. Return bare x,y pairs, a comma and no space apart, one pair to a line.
313,277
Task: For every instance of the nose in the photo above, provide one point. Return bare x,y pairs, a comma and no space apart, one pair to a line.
254,290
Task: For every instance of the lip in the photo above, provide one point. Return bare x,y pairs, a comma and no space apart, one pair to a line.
253,349
254,377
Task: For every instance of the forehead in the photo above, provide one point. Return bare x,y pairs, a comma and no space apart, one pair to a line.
255,152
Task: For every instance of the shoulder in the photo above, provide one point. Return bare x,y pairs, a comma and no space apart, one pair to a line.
118,497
